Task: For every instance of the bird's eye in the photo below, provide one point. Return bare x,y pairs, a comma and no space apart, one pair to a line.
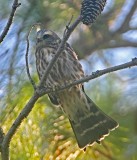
46,36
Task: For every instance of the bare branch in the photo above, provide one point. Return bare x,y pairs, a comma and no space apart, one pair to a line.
6,29
27,63
125,25
94,75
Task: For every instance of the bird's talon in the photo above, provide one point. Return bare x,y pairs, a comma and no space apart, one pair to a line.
95,73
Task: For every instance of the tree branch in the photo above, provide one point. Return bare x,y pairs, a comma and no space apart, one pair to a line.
27,63
6,29
94,75
125,25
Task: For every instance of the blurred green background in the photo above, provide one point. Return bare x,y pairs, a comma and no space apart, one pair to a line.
46,133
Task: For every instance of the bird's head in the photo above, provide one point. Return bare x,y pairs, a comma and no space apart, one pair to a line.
47,38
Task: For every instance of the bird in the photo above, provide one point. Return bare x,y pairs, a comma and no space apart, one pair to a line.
89,123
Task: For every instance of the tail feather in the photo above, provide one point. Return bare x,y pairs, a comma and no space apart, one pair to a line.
92,127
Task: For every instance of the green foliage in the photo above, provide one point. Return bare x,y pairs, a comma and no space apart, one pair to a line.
46,132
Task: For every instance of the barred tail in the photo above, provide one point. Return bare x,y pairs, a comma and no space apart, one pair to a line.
92,127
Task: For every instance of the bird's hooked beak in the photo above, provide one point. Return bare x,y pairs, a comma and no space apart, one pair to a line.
39,40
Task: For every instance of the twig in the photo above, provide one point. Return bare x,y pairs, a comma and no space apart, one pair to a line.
59,50
6,29
26,58
125,24
94,75
67,26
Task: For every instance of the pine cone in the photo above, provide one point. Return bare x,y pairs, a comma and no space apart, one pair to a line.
91,9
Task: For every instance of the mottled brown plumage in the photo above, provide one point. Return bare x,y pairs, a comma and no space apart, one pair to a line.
88,122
